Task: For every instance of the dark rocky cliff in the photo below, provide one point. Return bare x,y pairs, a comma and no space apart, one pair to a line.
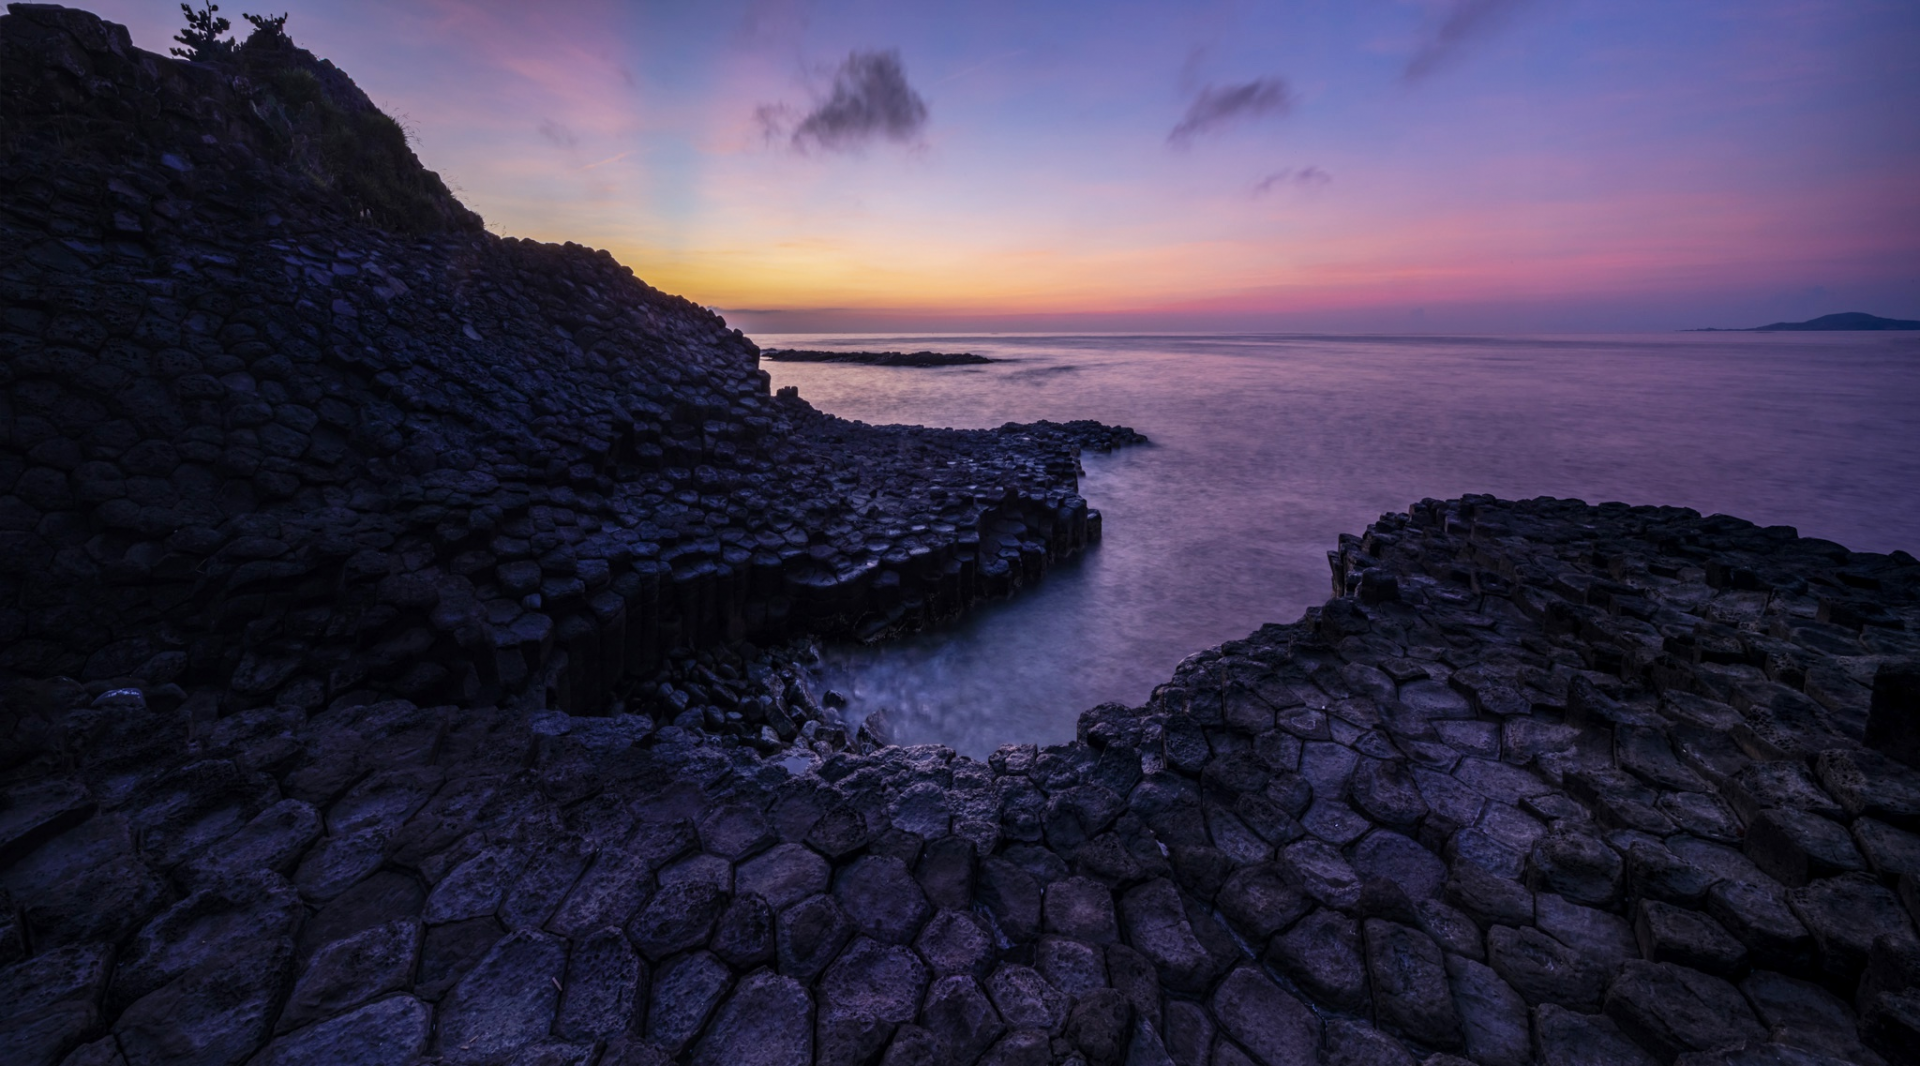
325,542
276,425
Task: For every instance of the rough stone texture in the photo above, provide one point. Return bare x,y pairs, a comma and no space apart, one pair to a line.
507,1001
1357,1044
1845,915
958,1020
679,917
684,994
1018,950
604,983
883,980
1758,915
1321,953
1543,970
349,972
1668,933
1409,981
1568,1038
1671,1010
784,875
1493,1017
1805,1015
1274,1027
882,898
1157,926
809,934
1796,847
393,1030
375,608
764,1023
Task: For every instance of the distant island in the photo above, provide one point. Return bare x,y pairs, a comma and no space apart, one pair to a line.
1848,320
800,355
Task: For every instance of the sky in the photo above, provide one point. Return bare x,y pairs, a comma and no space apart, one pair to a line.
1352,165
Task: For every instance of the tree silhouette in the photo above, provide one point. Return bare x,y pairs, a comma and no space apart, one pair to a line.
202,35
269,29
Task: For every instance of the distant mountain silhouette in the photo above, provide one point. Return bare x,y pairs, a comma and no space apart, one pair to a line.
1849,320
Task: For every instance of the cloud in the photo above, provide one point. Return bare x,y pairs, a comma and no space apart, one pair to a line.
604,162
1466,21
1295,177
775,121
1218,105
870,101
557,134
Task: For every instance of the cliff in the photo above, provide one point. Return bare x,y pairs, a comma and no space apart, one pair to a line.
282,418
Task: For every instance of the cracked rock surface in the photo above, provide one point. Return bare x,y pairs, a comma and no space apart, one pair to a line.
1542,782
1520,871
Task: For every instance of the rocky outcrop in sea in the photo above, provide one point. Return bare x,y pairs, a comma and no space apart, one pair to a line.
393,675
913,359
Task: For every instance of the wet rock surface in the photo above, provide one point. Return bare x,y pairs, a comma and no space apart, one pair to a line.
1541,782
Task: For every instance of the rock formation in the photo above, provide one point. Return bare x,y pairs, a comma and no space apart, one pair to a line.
1542,782
295,436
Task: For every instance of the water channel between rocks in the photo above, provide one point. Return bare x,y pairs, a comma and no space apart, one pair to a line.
1267,447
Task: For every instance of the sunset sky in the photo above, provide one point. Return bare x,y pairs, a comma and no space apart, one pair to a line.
1393,165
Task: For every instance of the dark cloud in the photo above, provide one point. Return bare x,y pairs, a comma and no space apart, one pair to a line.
1466,21
556,134
1218,105
870,101
1292,177
775,121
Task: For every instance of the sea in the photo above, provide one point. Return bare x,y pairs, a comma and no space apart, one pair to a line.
1266,447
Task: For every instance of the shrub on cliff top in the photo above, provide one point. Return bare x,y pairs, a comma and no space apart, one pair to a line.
268,28
324,126
202,36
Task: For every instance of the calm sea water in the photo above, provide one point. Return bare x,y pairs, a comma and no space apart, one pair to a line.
1268,447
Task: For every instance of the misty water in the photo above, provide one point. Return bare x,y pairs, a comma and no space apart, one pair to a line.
1266,448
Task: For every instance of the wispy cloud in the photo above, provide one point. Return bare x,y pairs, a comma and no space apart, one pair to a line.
1465,22
1218,105
604,162
557,134
1309,177
870,101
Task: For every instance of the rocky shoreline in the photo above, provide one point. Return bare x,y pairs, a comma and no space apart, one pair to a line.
1546,783
397,633
259,443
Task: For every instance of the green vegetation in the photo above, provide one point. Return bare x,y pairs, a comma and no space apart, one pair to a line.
375,169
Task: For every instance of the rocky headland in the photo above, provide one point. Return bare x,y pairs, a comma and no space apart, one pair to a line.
805,355
391,620
1846,321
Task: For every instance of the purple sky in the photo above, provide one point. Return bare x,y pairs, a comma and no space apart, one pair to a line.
1520,165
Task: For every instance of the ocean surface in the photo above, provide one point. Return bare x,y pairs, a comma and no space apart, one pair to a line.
1267,447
